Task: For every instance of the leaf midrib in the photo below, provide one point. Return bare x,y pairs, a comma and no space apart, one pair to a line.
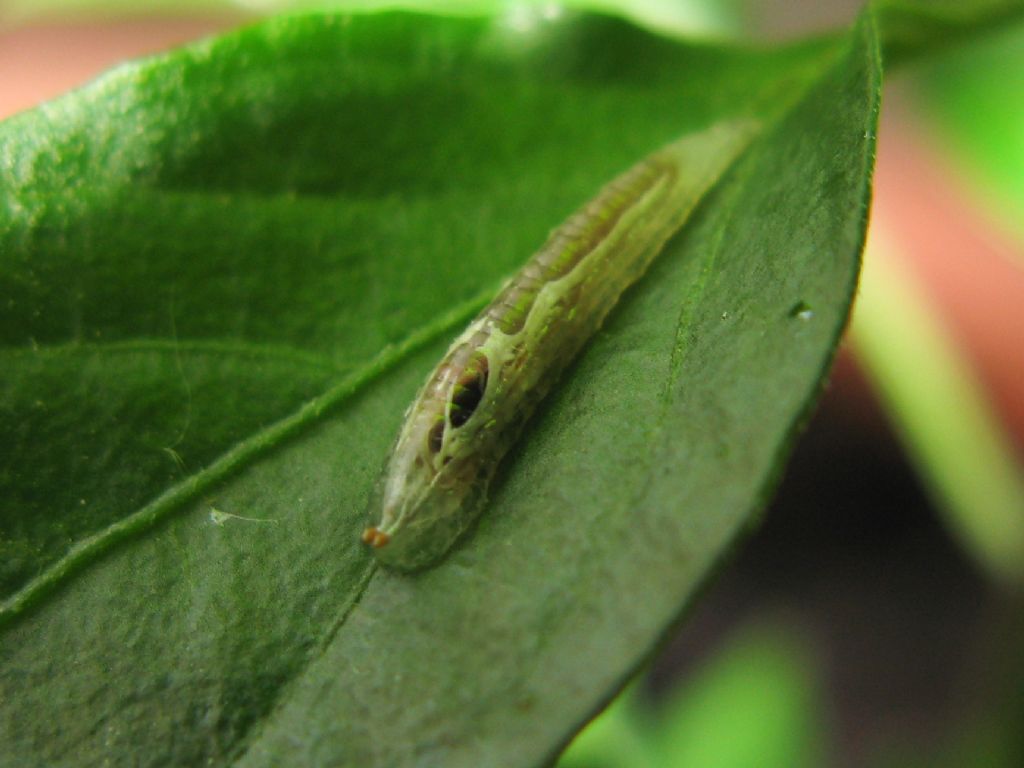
311,360
235,459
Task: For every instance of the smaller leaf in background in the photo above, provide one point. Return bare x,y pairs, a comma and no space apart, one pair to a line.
622,736
940,413
700,17
973,96
911,29
703,17
757,702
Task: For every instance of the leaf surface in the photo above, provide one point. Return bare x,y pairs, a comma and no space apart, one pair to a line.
226,271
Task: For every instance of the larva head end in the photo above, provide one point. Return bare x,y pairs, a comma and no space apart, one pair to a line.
375,537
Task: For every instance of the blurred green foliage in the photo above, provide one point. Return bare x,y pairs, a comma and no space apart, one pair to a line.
760,698
973,95
704,17
941,412
756,701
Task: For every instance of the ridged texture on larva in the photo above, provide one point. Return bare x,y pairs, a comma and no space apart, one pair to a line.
572,242
474,404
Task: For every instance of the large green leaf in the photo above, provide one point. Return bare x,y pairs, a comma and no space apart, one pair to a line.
224,273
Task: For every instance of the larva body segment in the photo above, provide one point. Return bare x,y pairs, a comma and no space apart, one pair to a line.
474,404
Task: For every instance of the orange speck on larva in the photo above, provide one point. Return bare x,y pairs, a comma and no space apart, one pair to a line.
375,537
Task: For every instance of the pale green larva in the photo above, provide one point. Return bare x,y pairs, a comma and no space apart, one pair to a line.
475,402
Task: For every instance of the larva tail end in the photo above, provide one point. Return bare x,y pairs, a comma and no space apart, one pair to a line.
375,537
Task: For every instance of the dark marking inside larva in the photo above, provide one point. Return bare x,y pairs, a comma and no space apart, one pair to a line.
468,391
435,437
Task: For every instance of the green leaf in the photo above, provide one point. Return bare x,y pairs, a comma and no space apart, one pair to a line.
912,29
623,736
981,118
755,701
225,272
756,704
704,17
